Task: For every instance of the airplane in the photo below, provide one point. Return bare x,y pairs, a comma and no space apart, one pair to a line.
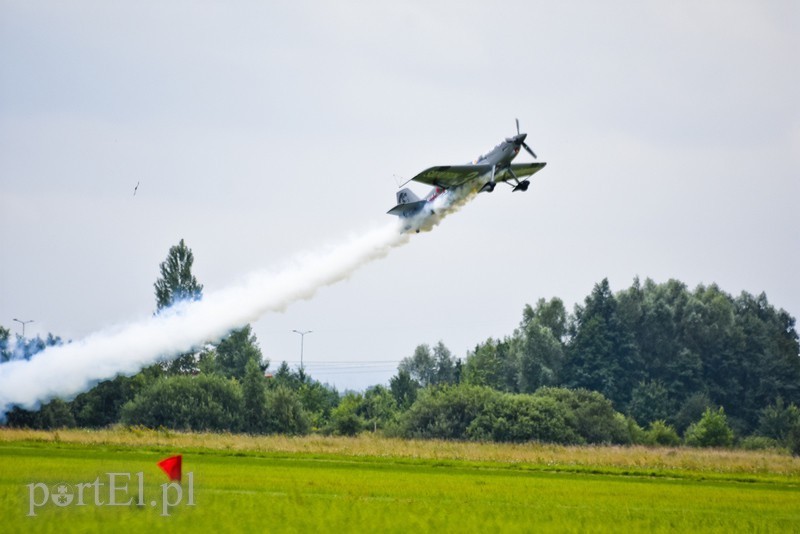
482,175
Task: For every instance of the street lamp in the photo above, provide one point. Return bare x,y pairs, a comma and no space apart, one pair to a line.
23,323
302,337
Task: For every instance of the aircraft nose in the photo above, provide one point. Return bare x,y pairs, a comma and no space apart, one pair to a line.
521,138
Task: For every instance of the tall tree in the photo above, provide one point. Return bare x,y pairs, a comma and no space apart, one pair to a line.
602,354
5,335
493,363
539,356
403,388
447,369
550,313
235,351
177,283
421,366
254,393
379,406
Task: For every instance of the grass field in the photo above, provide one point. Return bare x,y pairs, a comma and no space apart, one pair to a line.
325,484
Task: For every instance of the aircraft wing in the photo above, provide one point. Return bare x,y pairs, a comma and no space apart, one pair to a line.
521,170
448,176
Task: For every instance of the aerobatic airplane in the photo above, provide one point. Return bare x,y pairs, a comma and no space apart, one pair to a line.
480,175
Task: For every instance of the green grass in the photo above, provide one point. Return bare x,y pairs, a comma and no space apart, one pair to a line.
322,485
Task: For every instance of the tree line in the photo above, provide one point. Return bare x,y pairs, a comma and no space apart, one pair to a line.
653,363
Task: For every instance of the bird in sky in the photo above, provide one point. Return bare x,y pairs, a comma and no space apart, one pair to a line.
135,188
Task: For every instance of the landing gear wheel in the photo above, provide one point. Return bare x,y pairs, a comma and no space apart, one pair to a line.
522,186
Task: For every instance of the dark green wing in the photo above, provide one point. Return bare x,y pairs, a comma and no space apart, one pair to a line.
448,176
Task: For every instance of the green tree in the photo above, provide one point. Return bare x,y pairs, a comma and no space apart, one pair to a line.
793,440
284,376
18,417
176,283
520,418
660,433
20,348
254,393
318,400
235,352
55,414
5,339
404,389
660,317
711,430
590,414
379,407
602,354
650,402
429,367
445,412
551,314
692,409
204,402
346,419
768,363
421,366
777,420
493,363
445,365
101,406
539,357
285,413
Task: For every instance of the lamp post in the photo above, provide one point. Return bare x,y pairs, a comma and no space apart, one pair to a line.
23,323
302,338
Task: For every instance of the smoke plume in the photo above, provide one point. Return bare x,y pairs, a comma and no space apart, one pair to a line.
66,370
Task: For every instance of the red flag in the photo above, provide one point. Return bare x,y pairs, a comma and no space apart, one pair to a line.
172,467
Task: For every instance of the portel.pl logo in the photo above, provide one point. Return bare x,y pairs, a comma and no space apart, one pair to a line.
115,489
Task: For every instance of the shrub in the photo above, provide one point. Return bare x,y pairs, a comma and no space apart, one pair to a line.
345,418
660,433
777,420
204,402
509,417
445,412
590,414
758,443
637,434
711,430
285,413
793,440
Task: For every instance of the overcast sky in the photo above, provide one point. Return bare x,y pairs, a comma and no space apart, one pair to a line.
258,130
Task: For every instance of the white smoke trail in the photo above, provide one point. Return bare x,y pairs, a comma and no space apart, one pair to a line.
66,370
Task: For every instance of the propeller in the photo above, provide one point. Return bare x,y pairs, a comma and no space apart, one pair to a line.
531,152
522,142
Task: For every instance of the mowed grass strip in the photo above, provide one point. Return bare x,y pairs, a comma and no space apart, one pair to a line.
648,461
310,490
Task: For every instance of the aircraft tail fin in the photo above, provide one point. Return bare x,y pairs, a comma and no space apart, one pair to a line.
408,204
406,196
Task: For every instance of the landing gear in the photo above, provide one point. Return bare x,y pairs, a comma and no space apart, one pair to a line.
489,186
522,186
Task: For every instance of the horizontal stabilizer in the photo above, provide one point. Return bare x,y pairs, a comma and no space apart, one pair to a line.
408,209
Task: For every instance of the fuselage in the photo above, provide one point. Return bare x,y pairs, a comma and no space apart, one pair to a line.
504,153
